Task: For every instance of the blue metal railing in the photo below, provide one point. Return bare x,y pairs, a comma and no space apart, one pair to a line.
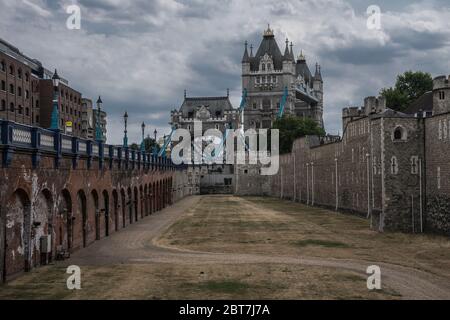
38,141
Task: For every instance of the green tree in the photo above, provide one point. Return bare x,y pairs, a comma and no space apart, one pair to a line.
149,143
134,146
292,128
408,87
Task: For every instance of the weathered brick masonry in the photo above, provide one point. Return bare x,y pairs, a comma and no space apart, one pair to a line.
76,191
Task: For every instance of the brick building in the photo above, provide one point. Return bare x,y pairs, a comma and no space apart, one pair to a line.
19,86
69,107
26,94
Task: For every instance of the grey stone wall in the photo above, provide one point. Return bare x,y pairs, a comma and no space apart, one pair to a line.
437,146
400,182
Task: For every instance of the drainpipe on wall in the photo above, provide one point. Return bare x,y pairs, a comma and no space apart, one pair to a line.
425,166
3,247
383,187
307,183
295,182
421,195
336,182
412,213
281,182
312,183
368,185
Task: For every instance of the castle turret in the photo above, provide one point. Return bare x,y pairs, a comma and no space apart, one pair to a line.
374,105
288,63
292,53
441,95
318,92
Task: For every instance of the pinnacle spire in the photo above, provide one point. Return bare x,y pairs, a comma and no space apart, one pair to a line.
292,52
301,56
287,54
245,58
318,74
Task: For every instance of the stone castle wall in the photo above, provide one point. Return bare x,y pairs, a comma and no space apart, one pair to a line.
437,146
400,182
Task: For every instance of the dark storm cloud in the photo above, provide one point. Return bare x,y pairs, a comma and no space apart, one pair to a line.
365,54
140,55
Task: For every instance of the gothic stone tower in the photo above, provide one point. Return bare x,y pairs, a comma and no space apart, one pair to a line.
265,76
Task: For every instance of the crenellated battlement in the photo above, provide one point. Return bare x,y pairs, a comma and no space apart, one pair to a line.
374,105
441,82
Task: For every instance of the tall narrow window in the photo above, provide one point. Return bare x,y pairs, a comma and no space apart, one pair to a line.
263,67
394,165
3,66
414,165
439,177
3,105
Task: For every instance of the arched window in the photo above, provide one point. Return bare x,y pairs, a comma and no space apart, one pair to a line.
3,105
263,67
11,88
27,111
20,109
27,77
19,91
269,67
19,73
11,107
11,70
399,134
3,66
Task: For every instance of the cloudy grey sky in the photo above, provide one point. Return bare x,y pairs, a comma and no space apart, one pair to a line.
141,54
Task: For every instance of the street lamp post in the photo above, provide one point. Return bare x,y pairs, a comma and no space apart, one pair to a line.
143,137
54,125
125,137
98,129
155,150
